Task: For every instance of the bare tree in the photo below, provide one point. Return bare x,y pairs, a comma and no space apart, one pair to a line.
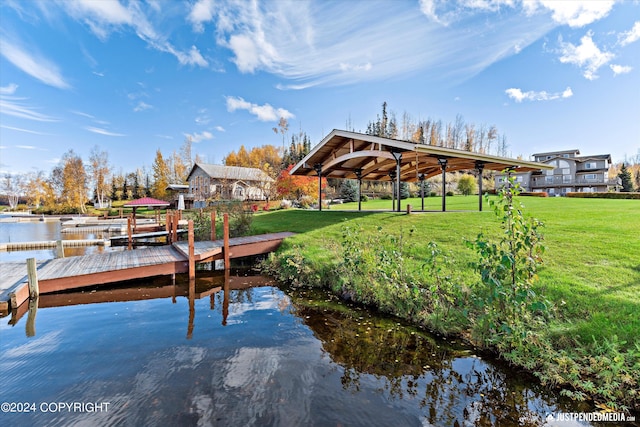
99,174
12,186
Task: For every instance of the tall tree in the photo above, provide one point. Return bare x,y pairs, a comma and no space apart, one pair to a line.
161,176
283,127
74,182
625,177
99,173
12,186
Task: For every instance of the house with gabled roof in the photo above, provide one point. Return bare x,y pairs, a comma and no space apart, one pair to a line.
207,181
571,173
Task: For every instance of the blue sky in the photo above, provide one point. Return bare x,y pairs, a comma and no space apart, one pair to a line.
132,77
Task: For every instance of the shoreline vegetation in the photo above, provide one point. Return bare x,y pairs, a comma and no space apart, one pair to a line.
552,288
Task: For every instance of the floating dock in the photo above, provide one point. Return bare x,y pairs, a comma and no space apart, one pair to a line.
95,269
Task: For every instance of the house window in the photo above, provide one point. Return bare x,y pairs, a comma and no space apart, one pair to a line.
565,155
549,179
566,178
590,165
590,177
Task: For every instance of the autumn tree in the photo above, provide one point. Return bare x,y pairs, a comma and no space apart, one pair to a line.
99,174
161,176
72,179
295,186
467,185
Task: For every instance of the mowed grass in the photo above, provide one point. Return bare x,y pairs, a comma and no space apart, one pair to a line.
591,267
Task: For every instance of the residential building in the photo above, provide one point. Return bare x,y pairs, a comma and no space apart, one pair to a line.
572,173
208,181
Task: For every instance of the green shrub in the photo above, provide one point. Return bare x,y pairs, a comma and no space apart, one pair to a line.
601,195
449,193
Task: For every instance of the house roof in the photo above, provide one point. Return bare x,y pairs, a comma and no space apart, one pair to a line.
146,201
342,153
235,173
574,151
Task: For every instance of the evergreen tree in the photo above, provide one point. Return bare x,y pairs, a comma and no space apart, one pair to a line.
147,186
124,188
114,189
404,190
136,187
349,190
625,176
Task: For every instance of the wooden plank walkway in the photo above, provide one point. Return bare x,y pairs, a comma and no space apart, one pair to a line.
95,269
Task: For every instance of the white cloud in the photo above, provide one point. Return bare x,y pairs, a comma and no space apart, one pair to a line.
199,137
102,131
220,129
620,69
23,130
334,43
573,13
586,55
26,147
632,35
13,106
31,63
264,113
9,89
142,106
104,17
201,12
518,95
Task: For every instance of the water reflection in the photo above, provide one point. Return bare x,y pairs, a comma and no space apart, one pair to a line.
221,351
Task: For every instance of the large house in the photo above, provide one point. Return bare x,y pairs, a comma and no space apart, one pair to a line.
208,181
572,173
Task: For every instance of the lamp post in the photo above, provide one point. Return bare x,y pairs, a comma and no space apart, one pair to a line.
443,164
392,175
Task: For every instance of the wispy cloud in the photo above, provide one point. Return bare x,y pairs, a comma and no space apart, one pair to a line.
620,69
9,89
220,129
518,95
630,36
586,55
104,17
14,106
574,13
199,137
334,43
26,147
37,66
103,131
264,113
142,106
23,130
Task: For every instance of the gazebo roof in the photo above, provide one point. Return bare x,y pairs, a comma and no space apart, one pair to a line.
146,201
342,153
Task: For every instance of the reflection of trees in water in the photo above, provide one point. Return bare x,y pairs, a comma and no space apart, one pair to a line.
453,387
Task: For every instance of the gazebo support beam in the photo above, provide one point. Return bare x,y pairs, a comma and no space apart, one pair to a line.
398,158
318,169
479,168
443,164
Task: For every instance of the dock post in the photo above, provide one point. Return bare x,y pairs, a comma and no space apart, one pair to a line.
408,209
174,226
192,258
129,233
225,219
167,225
213,225
32,274
30,327
59,249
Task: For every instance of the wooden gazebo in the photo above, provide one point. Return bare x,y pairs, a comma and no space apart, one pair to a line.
351,155
148,202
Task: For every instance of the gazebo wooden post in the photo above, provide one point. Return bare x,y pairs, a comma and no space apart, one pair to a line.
392,175
227,255
318,168
174,226
479,168
358,173
421,179
398,157
443,164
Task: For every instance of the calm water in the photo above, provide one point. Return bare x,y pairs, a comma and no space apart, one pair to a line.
39,231
259,356
157,353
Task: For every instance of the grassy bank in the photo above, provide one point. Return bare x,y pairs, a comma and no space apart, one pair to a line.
591,273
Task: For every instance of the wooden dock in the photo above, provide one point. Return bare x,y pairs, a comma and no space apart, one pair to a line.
76,272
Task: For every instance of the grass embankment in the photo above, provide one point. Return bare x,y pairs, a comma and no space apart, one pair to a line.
591,273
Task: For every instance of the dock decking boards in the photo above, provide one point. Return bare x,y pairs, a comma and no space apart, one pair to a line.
117,266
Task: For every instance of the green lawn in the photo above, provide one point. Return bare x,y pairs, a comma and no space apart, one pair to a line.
591,266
